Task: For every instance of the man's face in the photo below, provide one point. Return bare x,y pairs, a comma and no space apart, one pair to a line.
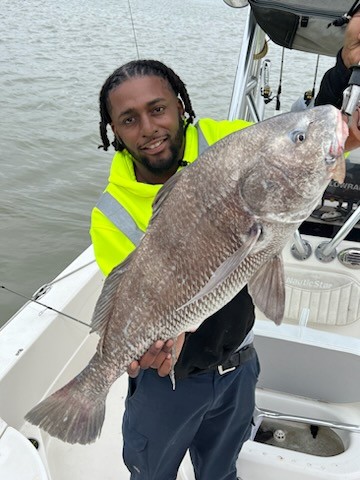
146,117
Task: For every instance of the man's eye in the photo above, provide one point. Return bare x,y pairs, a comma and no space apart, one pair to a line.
159,109
128,121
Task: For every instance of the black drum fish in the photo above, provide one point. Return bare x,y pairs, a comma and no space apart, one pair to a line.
217,225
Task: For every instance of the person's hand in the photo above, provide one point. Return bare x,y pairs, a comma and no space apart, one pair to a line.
158,356
351,49
353,140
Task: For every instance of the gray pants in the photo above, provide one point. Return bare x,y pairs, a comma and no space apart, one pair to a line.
209,414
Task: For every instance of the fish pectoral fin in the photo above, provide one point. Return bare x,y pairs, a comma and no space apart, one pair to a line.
227,267
105,305
267,289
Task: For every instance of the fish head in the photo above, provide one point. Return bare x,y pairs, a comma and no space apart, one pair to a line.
300,153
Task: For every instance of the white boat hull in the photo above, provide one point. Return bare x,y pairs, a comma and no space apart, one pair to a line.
305,372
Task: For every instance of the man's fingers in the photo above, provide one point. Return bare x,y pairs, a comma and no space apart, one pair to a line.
133,369
165,367
165,363
156,354
159,356
148,358
168,346
160,359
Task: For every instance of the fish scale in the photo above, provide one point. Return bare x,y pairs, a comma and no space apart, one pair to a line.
217,225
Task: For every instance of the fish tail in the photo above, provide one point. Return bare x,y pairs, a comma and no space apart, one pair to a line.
75,413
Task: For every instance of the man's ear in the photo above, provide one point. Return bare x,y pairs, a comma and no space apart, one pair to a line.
120,142
181,107
115,134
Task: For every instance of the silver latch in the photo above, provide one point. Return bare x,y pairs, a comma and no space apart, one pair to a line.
350,257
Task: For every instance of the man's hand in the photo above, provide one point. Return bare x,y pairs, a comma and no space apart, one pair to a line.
351,48
353,140
158,356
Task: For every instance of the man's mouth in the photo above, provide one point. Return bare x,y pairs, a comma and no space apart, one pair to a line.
153,145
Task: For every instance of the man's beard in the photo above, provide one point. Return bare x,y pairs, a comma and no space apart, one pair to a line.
167,163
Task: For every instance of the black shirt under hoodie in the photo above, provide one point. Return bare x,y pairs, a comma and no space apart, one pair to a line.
217,337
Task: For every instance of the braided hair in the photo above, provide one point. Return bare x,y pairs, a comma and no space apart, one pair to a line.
139,68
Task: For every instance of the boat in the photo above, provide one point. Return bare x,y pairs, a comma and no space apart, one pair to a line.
307,419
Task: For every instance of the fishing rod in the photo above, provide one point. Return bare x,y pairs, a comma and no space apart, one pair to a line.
43,305
280,80
339,22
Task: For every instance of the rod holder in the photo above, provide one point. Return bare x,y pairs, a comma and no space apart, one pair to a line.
326,251
300,249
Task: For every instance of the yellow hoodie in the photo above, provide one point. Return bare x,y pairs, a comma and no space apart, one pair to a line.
111,245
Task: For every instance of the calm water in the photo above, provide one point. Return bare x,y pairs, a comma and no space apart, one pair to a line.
54,57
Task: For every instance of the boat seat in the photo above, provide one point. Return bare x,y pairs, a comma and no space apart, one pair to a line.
332,297
19,459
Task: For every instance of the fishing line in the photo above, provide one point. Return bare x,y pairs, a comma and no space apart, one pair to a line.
133,29
49,284
43,305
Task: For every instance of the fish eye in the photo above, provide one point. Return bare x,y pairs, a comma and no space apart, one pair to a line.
298,137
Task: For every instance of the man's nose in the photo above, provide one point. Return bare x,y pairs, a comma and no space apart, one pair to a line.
148,126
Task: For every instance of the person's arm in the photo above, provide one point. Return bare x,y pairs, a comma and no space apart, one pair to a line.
333,84
336,79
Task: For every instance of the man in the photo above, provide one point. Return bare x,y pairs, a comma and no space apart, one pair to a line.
210,412
336,79
153,140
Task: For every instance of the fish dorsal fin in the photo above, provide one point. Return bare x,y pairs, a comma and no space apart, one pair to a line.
227,267
164,192
105,305
267,289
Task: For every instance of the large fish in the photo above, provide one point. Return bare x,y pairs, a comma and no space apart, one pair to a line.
217,225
